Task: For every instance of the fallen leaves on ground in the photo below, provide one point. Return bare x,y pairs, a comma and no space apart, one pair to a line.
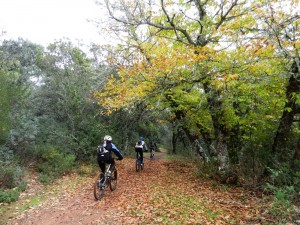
165,192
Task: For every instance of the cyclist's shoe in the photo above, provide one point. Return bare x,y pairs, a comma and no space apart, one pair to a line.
108,173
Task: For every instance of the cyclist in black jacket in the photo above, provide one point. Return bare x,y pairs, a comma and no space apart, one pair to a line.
104,153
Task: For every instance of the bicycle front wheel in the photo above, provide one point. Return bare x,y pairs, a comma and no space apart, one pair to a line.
113,180
98,188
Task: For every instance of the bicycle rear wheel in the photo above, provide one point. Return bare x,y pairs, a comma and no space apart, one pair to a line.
137,165
98,188
113,180
151,155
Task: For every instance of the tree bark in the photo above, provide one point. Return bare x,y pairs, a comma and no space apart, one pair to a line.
294,165
221,134
174,137
297,152
291,109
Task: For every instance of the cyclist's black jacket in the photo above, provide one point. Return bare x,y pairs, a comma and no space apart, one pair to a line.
112,148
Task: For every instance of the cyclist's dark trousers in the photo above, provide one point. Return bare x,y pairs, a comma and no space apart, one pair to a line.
103,163
139,151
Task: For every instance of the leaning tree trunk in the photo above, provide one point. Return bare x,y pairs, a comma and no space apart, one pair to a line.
286,121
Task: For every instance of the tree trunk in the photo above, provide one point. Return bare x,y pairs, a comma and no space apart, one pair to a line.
174,137
294,165
221,134
297,152
222,150
291,109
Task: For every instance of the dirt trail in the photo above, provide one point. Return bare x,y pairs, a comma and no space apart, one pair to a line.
166,192
80,207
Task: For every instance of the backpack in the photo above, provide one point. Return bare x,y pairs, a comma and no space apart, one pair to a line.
139,144
103,153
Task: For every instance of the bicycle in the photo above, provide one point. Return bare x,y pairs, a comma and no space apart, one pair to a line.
138,163
109,179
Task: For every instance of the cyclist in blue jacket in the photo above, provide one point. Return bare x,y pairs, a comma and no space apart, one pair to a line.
104,154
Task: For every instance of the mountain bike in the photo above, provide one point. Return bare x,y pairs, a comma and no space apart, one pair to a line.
138,163
103,181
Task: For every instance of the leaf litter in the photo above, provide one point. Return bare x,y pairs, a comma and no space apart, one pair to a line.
165,192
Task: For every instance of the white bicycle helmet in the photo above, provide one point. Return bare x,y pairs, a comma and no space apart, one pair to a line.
107,138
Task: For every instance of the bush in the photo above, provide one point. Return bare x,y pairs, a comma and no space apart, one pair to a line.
53,163
11,175
281,206
45,178
85,169
10,195
284,187
22,187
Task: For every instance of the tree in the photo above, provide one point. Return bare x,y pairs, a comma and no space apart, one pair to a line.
64,105
232,58
282,29
200,27
18,67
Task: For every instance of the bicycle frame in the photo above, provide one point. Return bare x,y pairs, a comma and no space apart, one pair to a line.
109,179
138,164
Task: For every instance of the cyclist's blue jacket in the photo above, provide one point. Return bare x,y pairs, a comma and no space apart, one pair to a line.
112,148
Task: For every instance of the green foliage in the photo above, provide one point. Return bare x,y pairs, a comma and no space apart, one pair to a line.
207,169
6,154
22,187
86,169
282,206
46,178
11,175
4,105
68,118
285,186
53,163
11,195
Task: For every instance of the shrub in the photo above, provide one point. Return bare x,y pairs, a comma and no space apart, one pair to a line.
45,178
283,186
22,187
11,175
10,195
54,163
85,169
